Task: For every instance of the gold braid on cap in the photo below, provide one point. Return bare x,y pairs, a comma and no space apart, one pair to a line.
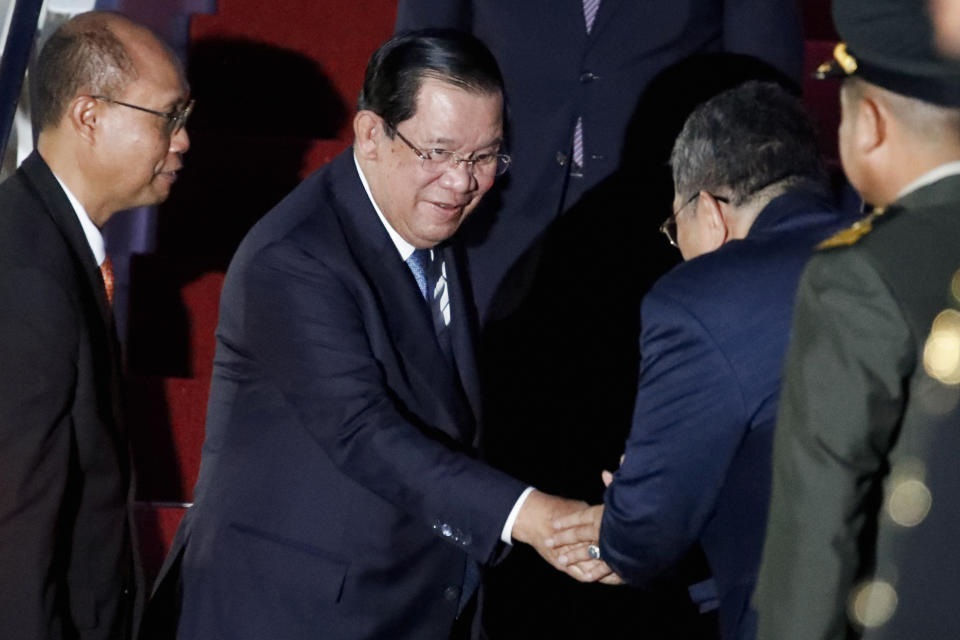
841,58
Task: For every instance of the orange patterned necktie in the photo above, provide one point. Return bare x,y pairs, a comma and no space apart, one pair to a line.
106,270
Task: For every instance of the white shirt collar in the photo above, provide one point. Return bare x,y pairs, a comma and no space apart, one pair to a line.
405,248
90,230
941,172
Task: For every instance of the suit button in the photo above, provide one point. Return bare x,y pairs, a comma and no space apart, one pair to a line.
561,158
451,594
588,76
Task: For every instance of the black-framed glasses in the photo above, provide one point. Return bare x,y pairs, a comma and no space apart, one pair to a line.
669,226
176,120
437,160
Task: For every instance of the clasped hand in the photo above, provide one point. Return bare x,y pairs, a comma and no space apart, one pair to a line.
573,535
570,528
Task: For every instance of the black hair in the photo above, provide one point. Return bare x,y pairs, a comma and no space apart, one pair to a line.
398,68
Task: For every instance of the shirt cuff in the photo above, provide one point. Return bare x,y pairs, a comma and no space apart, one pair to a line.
506,534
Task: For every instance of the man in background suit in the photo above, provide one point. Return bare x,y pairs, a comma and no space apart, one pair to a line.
751,202
340,494
111,105
864,514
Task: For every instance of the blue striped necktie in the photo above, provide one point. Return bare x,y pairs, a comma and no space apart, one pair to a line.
428,272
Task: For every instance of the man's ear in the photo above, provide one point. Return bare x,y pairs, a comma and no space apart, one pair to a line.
872,122
367,134
83,117
715,224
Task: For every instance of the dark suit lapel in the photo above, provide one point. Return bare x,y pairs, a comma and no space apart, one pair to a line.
462,331
60,209
406,314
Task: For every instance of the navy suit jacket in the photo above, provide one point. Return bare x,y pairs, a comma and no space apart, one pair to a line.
554,72
339,495
697,465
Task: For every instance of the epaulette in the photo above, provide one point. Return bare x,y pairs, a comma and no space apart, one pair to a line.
848,236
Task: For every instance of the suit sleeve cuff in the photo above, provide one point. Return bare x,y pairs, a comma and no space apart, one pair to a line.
506,534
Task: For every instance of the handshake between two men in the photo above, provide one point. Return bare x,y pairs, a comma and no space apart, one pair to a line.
566,533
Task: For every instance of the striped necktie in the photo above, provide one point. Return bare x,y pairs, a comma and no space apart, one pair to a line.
430,274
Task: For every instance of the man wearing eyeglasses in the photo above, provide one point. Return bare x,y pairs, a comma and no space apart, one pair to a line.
110,103
340,493
751,202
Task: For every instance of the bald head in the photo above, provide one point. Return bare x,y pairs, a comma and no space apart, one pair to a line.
112,101
94,54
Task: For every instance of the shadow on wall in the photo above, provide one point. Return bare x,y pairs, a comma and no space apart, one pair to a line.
259,109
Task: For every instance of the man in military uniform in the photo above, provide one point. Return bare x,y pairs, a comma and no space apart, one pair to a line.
860,540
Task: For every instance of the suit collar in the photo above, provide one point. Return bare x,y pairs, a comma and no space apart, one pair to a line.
790,210
90,230
936,193
58,206
934,175
404,248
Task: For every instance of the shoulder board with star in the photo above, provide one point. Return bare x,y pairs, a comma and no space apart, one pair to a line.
850,235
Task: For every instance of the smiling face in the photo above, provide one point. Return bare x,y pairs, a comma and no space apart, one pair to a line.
137,158
426,207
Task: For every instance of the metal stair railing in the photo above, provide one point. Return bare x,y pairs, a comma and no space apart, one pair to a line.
13,63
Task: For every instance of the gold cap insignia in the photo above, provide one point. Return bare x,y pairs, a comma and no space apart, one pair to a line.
843,63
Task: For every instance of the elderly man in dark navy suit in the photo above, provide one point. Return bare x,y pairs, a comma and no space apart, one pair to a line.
751,203
340,493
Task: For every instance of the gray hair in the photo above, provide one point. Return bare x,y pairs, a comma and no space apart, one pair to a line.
754,140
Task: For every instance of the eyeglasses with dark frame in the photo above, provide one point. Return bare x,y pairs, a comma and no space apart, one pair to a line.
176,120
669,226
437,160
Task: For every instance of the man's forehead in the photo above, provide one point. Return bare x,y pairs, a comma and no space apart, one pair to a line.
157,64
